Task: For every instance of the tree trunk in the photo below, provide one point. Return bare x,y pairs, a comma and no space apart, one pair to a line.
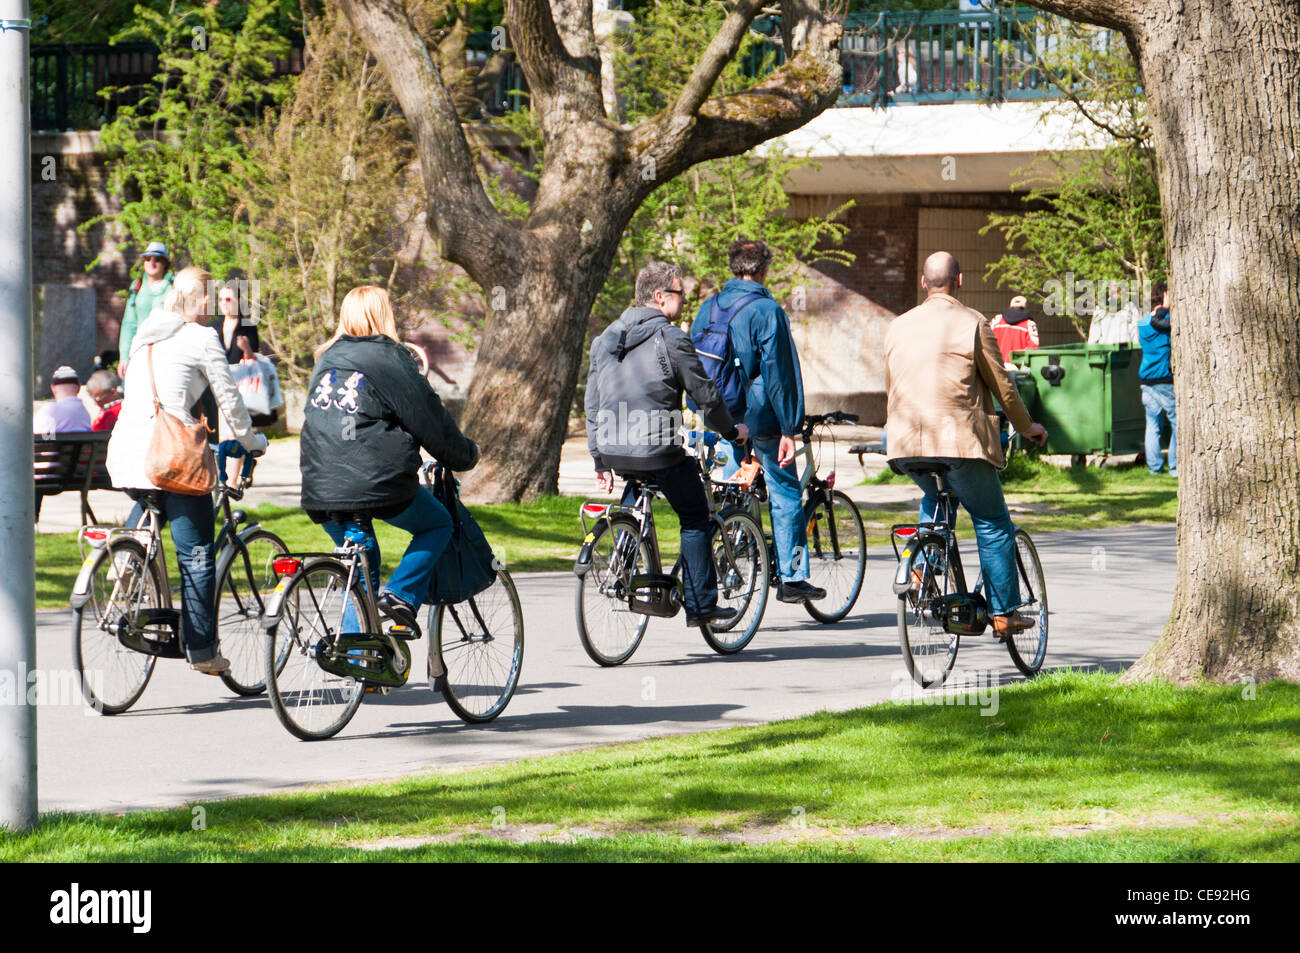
1227,136
1222,79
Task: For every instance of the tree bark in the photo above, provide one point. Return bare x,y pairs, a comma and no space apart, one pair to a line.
1222,79
540,279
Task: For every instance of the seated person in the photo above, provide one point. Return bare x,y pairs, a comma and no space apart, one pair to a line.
102,398
639,368
66,414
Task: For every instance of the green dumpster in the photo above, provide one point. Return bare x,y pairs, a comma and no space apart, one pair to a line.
1087,396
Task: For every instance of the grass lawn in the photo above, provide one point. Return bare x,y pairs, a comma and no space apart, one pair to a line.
1071,766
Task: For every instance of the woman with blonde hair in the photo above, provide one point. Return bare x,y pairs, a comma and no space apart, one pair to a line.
181,358
369,413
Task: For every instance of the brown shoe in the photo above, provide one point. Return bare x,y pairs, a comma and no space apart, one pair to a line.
1004,625
213,666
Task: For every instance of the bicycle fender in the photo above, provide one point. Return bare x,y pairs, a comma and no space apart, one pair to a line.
902,575
583,562
275,602
247,531
81,588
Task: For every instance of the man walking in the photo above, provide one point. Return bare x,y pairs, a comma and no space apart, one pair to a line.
1156,377
760,338
639,368
144,297
942,370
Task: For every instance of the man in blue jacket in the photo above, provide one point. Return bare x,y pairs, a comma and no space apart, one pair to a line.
760,340
1155,375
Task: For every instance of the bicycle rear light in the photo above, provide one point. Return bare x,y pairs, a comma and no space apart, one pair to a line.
285,565
594,509
95,537
905,531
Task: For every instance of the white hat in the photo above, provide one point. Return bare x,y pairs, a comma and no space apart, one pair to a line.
1018,302
65,375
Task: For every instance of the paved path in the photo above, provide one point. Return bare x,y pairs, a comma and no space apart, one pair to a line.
189,738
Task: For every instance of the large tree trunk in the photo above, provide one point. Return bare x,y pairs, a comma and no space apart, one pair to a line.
1222,79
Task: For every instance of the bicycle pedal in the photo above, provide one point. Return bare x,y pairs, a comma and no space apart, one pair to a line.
377,689
404,632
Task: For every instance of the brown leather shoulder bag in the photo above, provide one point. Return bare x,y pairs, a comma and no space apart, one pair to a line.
179,460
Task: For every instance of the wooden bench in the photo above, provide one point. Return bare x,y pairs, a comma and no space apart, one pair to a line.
862,449
71,461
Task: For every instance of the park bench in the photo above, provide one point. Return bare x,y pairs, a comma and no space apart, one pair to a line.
862,449
71,462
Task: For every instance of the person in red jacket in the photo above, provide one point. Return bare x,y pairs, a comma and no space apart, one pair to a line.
1015,330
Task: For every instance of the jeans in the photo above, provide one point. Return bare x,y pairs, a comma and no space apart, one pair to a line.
1158,399
190,518
789,526
683,488
429,524
979,490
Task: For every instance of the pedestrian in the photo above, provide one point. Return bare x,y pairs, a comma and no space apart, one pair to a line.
942,371
66,414
175,357
640,366
1156,378
1115,320
145,296
1015,330
760,339
237,331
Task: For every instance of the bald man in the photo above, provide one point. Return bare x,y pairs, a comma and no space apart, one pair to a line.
942,370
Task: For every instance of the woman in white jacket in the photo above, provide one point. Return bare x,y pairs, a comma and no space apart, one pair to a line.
184,357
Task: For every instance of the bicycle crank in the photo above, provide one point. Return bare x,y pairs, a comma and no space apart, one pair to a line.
370,659
961,613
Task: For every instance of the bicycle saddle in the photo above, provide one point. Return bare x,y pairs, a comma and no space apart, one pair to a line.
932,467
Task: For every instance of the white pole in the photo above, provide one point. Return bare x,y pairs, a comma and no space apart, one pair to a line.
17,506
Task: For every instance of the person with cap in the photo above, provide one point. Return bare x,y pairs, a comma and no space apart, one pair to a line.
144,297
66,414
1015,330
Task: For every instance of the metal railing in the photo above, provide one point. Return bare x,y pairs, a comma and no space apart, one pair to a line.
916,57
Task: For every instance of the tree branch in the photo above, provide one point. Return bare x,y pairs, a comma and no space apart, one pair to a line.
468,229
720,51
1116,14
554,73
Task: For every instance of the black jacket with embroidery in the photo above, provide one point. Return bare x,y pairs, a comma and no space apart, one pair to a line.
369,411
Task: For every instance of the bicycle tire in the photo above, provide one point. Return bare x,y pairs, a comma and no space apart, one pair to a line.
1028,648
742,583
841,569
105,606
611,634
929,650
296,682
239,632
471,659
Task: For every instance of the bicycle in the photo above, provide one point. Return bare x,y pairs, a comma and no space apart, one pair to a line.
476,646
837,538
621,583
935,607
123,618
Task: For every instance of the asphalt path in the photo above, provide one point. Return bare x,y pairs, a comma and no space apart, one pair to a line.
190,739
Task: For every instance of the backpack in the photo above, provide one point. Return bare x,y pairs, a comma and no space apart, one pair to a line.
713,344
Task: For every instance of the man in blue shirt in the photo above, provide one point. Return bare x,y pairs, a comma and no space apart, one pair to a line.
760,340
1157,380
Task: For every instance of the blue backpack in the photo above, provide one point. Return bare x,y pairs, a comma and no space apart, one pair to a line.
713,344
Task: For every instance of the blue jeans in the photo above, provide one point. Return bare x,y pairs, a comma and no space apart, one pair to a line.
682,487
1158,399
429,524
789,526
190,518
979,490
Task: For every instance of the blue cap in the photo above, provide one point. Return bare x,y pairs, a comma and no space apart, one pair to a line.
157,248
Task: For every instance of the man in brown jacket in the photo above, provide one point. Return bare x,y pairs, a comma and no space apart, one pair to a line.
942,369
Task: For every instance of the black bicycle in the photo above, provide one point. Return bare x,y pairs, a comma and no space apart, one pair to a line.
936,607
123,617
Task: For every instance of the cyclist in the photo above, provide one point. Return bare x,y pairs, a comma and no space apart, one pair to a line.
761,341
639,368
942,370
369,412
182,358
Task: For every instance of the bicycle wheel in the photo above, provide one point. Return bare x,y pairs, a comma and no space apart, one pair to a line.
309,701
609,629
123,582
929,650
1028,648
742,582
836,565
481,642
240,602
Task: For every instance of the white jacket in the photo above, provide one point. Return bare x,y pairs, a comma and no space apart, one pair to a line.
187,358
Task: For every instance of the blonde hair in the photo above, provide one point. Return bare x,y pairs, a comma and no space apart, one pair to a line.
188,288
365,311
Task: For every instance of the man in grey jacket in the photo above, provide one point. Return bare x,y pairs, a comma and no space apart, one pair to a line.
639,368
